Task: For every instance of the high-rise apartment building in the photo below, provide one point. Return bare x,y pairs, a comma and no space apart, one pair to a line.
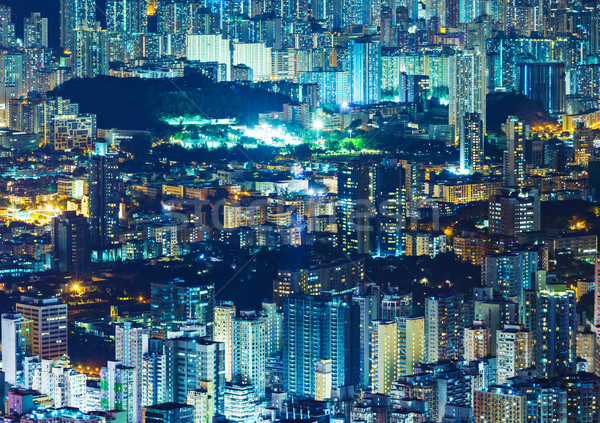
154,377
191,363
118,389
425,243
353,208
514,210
352,14
14,336
183,17
468,11
510,273
411,343
467,87
556,331
249,345
514,170
496,314
65,386
35,31
104,200
505,52
7,27
58,106
274,327
365,72
89,51
50,325
514,350
444,327
388,32
314,328
13,66
364,311
469,247
26,114
477,342
583,145
175,302
471,142
127,16
587,350
210,48
75,14
131,343
223,332
71,240
384,355
544,83
257,56
389,202
583,394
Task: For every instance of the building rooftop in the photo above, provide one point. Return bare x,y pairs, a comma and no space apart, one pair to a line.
167,406
40,301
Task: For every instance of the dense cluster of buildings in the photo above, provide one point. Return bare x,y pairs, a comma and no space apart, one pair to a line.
337,341
331,344
361,207
322,53
516,345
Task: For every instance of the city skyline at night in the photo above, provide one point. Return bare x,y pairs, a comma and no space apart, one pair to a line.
283,211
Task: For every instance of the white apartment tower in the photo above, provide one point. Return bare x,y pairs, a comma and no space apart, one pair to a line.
249,358
131,343
514,351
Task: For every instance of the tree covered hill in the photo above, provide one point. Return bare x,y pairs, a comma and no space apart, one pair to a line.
135,103
502,105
